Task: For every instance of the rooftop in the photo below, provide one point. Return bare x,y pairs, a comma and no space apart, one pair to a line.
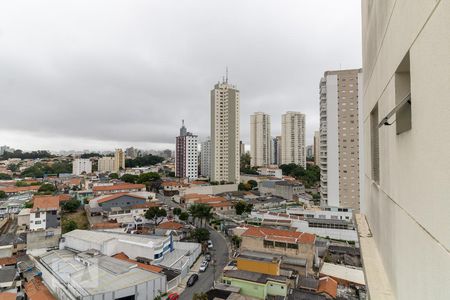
170,225
151,268
107,273
343,272
36,290
254,277
116,187
116,196
294,236
45,203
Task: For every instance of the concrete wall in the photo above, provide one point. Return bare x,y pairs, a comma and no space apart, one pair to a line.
209,189
408,209
43,239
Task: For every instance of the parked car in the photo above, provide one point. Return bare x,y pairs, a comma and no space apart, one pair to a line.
192,280
210,244
208,257
203,266
173,296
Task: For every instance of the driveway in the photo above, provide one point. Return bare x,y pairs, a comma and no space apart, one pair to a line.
219,260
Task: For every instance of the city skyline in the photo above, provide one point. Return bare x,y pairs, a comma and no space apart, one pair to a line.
98,68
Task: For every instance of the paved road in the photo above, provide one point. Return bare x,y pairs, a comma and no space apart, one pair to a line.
219,259
218,262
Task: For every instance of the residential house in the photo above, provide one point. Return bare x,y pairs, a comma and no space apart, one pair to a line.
118,188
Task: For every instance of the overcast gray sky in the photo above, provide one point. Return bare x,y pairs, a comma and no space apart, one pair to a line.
106,74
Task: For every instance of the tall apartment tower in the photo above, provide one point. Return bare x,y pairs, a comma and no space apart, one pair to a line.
225,156
186,156
274,150
316,150
81,165
260,140
340,105
405,205
293,139
205,165
241,148
119,160
278,150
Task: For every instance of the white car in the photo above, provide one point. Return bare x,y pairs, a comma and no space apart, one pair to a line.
203,266
210,244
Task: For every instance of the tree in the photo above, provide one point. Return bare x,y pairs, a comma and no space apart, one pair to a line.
184,216
130,178
156,214
200,211
236,241
200,296
148,177
2,195
242,207
200,234
177,211
28,204
4,176
71,205
244,186
69,225
113,176
145,160
309,176
47,188
13,167
252,183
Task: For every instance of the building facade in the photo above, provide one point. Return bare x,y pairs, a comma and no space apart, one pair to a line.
81,165
316,150
106,164
225,124
205,160
406,107
119,160
186,156
260,140
293,138
340,131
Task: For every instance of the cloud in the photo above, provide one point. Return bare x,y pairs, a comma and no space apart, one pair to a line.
106,73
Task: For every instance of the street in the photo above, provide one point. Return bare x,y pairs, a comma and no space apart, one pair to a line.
219,259
219,255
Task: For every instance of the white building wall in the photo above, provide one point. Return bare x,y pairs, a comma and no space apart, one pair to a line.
192,156
106,164
260,140
80,165
205,167
293,149
38,223
408,209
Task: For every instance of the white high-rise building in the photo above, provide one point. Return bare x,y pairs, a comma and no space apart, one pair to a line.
293,139
340,132
404,232
316,151
225,156
186,155
81,165
260,140
205,161
106,164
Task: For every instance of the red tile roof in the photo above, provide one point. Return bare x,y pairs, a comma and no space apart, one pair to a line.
328,285
170,225
115,196
106,225
18,189
45,203
146,205
7,261
36,290
264,232
8,296
151,268
118,187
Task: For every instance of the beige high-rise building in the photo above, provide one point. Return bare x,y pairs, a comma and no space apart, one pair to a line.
404,232
225,152
260,140
316,147
340,138
293,138
106,164
119,160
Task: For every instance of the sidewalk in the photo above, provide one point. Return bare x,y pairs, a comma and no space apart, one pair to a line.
194,270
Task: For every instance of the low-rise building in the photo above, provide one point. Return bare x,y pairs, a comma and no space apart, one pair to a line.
45,213
270,171
118,188
92,275
289,190
284,242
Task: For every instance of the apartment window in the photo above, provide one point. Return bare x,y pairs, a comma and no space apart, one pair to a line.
403,96
374,144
